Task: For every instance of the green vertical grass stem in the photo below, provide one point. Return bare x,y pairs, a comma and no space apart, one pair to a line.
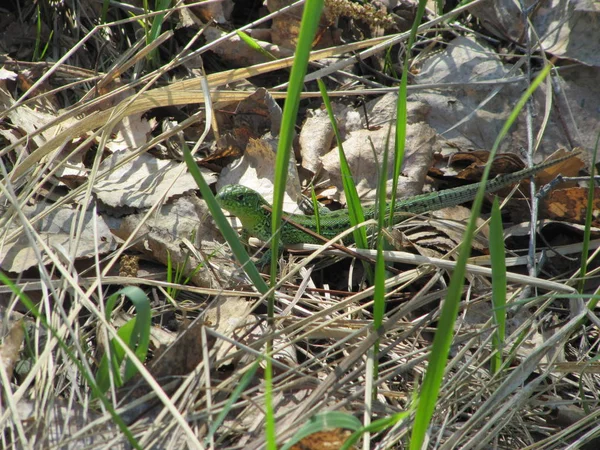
156,27
315,204
308,28
445,329
235,395
499,288
401,115
355,211
222,223
380,269
135,333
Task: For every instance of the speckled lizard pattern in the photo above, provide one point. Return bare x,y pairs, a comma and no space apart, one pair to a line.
254,211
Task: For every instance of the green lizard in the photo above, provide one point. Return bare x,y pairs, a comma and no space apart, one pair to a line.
255,214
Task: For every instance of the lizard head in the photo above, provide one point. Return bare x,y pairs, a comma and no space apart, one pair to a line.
247,205
240,200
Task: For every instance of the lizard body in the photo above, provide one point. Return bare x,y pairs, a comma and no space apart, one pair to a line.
255,214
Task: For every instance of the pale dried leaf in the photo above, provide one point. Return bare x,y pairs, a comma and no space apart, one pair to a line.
142,182
587,5
188,19
12,136
256,170
29,120
441,233
161,235
57,229
317,137
182,356
383,110
568,29
523,229
131,133
453,220
159,337
230,316
365,163
504,19
218,12
582,93
466,117
285,27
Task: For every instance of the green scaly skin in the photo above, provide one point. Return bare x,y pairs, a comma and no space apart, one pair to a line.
249,206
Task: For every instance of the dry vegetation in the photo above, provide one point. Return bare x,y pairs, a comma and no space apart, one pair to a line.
97,101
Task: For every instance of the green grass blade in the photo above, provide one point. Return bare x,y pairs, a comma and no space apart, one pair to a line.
250,42
269,411
355,211
155,29
401,114
235,395
375,427
135,333
316,209
379,293
380,266
170,277
499,288
324,421
308,28
104,12
25,300
228,232
445,330
38,35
